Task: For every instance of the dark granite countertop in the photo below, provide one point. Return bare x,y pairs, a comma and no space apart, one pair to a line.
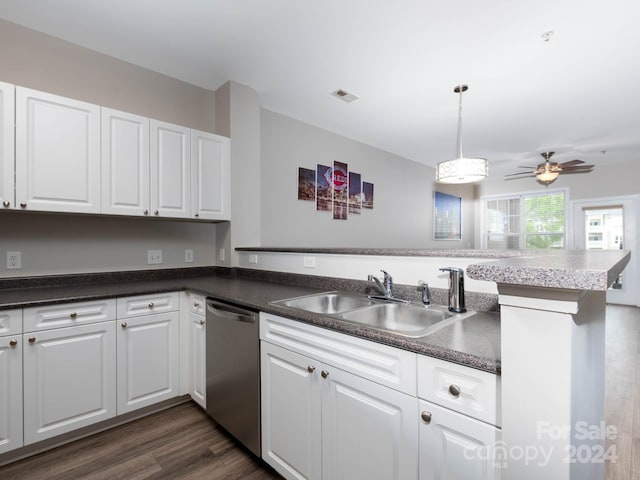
474,341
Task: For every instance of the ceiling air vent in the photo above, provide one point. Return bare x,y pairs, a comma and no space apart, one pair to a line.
342,94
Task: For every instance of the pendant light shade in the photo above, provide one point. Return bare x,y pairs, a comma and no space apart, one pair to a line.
461,169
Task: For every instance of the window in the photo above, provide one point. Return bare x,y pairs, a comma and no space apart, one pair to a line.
526,221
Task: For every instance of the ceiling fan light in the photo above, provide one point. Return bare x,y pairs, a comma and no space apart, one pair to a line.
547,176
462,170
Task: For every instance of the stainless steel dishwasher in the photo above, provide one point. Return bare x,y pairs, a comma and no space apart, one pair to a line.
233,371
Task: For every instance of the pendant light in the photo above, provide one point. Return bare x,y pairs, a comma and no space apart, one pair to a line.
461,169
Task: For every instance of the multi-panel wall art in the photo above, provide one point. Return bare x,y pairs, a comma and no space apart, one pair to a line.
335,189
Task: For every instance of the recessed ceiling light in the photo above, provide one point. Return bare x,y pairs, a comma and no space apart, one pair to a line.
344,95
546,36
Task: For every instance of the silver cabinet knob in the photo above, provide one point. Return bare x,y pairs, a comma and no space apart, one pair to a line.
145,211
13,342
454,390
155,212
202,322
23,204
311,369
6,203
32,339
124,324
196,304
324,374
73,315
426,417
197,215
150,304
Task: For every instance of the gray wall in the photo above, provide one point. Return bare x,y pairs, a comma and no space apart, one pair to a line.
52,244
35,60
403,193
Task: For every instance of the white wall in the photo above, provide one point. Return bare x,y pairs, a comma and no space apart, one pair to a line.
403,193
54,244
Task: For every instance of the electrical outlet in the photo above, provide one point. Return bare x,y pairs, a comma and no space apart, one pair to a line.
188,256
154,257
253,258
221,255
14,260
309,262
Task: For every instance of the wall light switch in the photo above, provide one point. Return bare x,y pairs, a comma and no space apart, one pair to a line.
253,258
154,257
14,260
309,262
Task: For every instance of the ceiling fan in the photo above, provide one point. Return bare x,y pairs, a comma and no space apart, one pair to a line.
548,171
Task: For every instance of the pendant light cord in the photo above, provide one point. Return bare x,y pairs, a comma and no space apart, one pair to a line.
460,123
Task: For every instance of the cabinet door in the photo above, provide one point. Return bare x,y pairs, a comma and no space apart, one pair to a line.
148,360
453,445
198,360
125,163
69,379
291,413
368,430
10,393
210,176
57,153
7,105
170,170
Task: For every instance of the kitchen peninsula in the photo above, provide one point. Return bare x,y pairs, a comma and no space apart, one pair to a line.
549,356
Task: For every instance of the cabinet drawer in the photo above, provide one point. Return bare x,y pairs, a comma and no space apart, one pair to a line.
68,314
197,304
10,322
466,390
146,304
382,364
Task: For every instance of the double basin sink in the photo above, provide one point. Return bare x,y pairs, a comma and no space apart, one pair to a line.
404,319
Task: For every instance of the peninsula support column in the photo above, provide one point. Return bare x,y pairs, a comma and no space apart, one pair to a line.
552,383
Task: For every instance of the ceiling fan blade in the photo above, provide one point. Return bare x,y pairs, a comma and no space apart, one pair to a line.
571,163
577,167
519,173
582,170
518,178
530,168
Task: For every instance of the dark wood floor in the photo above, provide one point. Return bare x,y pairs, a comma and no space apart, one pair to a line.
184,443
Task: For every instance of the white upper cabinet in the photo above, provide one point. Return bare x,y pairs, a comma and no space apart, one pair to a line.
125,163
57,153
210,176
7,102
170,170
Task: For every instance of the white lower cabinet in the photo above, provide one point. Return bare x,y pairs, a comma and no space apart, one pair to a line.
197,360
323,422
10,393
148,360
69,379
454,446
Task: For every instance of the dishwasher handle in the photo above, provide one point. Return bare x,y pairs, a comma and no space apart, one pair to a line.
230,312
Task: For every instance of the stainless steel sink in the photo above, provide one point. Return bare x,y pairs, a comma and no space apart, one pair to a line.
407,320
329,303
404,319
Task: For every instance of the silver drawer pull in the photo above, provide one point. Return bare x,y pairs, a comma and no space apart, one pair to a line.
146,212
196,304
124,324
23,204
32,339
454,390
150,304
202,322
324,374
6,203
311,369
73,315
13,342
426,417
